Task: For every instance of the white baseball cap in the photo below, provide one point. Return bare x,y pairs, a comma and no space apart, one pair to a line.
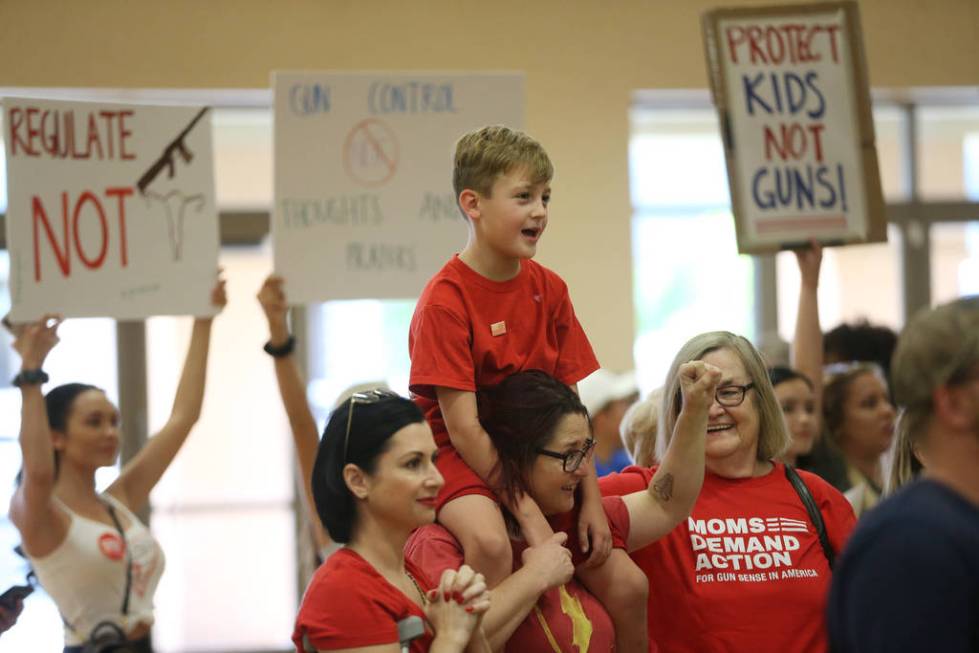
604,386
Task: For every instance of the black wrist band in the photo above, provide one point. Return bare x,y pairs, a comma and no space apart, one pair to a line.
30,377
282,350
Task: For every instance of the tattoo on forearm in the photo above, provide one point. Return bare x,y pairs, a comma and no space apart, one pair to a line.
663,487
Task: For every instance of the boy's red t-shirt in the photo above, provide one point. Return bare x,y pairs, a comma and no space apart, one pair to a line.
348,604
469,332
745,572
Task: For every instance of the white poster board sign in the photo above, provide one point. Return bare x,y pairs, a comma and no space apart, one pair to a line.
110,209
364,206
791,91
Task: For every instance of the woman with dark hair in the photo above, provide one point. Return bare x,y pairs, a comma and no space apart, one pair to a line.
859,421
90,552
374,481
748,571
797,398
542,434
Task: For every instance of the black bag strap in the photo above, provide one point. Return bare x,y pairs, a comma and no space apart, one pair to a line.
129,556
815,516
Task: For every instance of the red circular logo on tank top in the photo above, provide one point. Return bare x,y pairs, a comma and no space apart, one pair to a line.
112,546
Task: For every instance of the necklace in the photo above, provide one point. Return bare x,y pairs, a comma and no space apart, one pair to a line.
417,587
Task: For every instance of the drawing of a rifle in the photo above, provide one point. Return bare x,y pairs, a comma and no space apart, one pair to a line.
176,147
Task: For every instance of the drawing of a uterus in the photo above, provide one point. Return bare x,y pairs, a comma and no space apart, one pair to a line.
164,189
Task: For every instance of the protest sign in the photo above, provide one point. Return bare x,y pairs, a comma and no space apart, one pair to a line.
364,206
790,86
110,209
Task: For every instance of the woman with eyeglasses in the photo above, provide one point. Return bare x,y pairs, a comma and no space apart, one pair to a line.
747,570
374,481
542,434
91,553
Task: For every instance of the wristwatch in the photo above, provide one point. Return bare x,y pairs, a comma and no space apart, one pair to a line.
30,377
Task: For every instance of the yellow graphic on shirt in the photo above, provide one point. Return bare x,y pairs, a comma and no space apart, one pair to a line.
580,624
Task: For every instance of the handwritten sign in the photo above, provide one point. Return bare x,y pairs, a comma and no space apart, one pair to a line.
110,209
790,85
364,205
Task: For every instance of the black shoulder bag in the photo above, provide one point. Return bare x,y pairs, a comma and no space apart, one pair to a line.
815,516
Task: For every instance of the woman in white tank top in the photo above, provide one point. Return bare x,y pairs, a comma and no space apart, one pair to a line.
90,552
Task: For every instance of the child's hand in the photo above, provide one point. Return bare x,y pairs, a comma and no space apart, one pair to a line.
698,383
551,561
593,527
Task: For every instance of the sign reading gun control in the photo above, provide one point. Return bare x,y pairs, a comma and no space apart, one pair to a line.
364,205
110,209
790,85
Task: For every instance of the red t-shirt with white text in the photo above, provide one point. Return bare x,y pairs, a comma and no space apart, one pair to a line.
745,572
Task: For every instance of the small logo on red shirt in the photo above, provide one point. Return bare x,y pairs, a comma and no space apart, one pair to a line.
498,328
112,546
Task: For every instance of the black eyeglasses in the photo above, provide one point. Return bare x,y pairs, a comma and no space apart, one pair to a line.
732,395
571,460
366,397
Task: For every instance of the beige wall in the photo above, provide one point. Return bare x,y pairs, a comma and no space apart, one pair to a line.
582,59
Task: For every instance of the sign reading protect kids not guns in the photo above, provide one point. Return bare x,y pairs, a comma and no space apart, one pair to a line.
110,209
790,85
364,206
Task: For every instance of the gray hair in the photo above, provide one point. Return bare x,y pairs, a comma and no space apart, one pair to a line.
773,438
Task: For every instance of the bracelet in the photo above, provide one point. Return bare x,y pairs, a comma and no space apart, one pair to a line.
30,377
282,350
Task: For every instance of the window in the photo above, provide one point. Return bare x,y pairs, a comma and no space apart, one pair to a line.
688,275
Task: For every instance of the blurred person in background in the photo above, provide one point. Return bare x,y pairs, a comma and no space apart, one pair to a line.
607,396
909,577
639,427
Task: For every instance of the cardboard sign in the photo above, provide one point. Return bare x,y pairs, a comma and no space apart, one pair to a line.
110,209
364,206
790,86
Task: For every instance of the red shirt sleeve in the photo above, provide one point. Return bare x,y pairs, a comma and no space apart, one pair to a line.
618,520
433,549
440,347
576,359
629,480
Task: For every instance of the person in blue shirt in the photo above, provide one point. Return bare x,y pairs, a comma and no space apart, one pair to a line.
908,579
